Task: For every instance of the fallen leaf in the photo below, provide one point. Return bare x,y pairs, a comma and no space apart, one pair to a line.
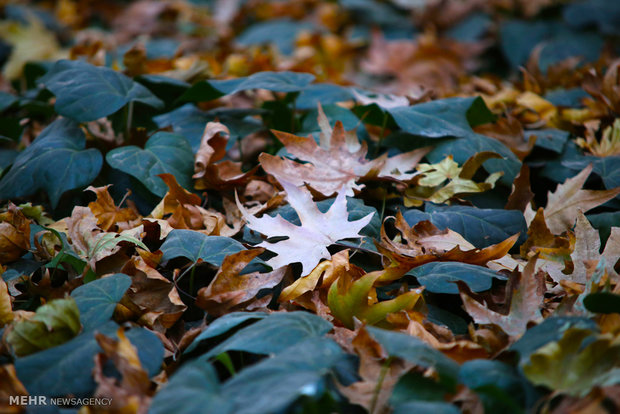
53,324
212,175
338,160
576,363
430,186
92,242
569,198
525,296
151,299
317,230
107,213
14,234
229,288
132,393
379,374
425,243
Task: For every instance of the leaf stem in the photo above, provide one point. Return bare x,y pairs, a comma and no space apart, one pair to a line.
191,279
129,120
377,391
382,134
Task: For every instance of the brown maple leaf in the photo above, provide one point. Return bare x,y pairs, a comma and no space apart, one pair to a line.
107,212
586,255
379,374
525,294
338,160
564,204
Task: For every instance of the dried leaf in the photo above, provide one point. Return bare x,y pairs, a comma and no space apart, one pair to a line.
568,199
14,234
229,288
317,230
339,160
525,298
107,213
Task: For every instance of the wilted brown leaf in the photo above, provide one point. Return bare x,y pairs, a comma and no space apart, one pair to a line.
569,198
14,234
525,295
230,289
107,212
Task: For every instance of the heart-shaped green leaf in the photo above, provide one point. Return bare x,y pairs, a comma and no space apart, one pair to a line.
96,300
85,92
163,153
55,162
439,277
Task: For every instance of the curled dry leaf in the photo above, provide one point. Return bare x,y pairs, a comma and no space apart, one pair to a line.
374,364
322,276
224,174
183,211
459,350
14,234
90,241
6,304
151,299
425,243
230,290
132,393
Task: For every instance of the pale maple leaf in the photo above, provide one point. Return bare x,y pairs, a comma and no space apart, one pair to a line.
307,243
338,160
564,204
586,256
526,299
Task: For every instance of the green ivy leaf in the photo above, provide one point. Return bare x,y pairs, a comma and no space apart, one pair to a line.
97,300
55,162
67,369
85,92
163,153
274,333
271,81
195,388
196,246
439,277
481,227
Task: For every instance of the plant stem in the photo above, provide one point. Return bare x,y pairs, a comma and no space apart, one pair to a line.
129,121
382,135
191,279
375,395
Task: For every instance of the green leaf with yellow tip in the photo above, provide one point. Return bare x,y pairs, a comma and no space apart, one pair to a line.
349,300
53,324
568,366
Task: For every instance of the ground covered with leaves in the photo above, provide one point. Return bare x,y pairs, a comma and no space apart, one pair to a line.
310,206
